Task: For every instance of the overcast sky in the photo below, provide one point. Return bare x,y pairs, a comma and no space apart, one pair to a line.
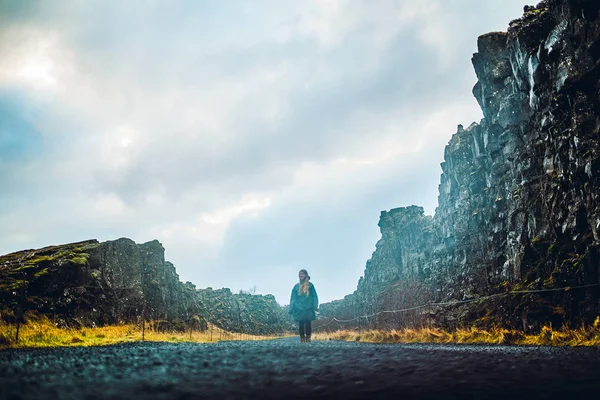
251,138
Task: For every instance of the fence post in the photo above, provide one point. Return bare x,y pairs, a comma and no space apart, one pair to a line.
18,324
144,321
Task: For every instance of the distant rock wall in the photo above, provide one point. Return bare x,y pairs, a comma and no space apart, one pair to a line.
243,312
519,196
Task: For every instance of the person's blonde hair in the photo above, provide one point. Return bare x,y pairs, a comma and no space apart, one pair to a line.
303,287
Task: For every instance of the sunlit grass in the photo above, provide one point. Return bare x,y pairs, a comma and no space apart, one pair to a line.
583,336
41,332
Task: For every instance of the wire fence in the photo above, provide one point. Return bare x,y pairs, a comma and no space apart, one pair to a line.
446,303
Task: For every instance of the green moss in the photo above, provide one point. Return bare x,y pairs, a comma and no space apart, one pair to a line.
41,273
84,248
39,259
74,257
24,268
67,253
79,260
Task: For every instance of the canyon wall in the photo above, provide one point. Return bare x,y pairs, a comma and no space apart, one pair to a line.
519,194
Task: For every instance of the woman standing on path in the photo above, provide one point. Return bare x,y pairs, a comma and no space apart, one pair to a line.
303,304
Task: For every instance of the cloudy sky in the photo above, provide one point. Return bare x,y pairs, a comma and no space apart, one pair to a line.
251,138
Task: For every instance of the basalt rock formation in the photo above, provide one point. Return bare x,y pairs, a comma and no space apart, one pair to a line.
519,194
243,312
96,283
90,283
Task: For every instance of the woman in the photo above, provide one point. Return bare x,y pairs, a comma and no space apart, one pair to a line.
303,304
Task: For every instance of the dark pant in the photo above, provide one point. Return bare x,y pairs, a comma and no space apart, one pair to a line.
305,328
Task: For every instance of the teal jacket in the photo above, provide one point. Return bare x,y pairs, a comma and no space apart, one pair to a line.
303,307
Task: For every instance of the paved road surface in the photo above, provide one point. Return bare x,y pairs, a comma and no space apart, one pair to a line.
287,369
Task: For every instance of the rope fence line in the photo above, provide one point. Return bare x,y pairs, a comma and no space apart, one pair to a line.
446,303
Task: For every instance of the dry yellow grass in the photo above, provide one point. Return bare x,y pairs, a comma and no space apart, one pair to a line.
584,336
41,332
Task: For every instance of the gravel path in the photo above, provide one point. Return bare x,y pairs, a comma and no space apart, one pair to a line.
287,369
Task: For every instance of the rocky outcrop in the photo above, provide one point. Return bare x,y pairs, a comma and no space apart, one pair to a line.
243,312
91,283
96,283
519,204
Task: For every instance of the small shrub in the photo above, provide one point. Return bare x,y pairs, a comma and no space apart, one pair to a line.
179,325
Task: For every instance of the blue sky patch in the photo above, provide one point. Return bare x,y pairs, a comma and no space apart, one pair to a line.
19,138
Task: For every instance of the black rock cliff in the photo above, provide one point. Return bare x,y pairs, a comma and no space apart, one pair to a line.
519,194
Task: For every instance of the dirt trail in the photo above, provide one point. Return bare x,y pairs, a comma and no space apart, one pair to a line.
287,369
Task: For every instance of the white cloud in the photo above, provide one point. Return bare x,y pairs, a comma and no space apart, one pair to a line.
33,59
121,147
249,205
109,205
